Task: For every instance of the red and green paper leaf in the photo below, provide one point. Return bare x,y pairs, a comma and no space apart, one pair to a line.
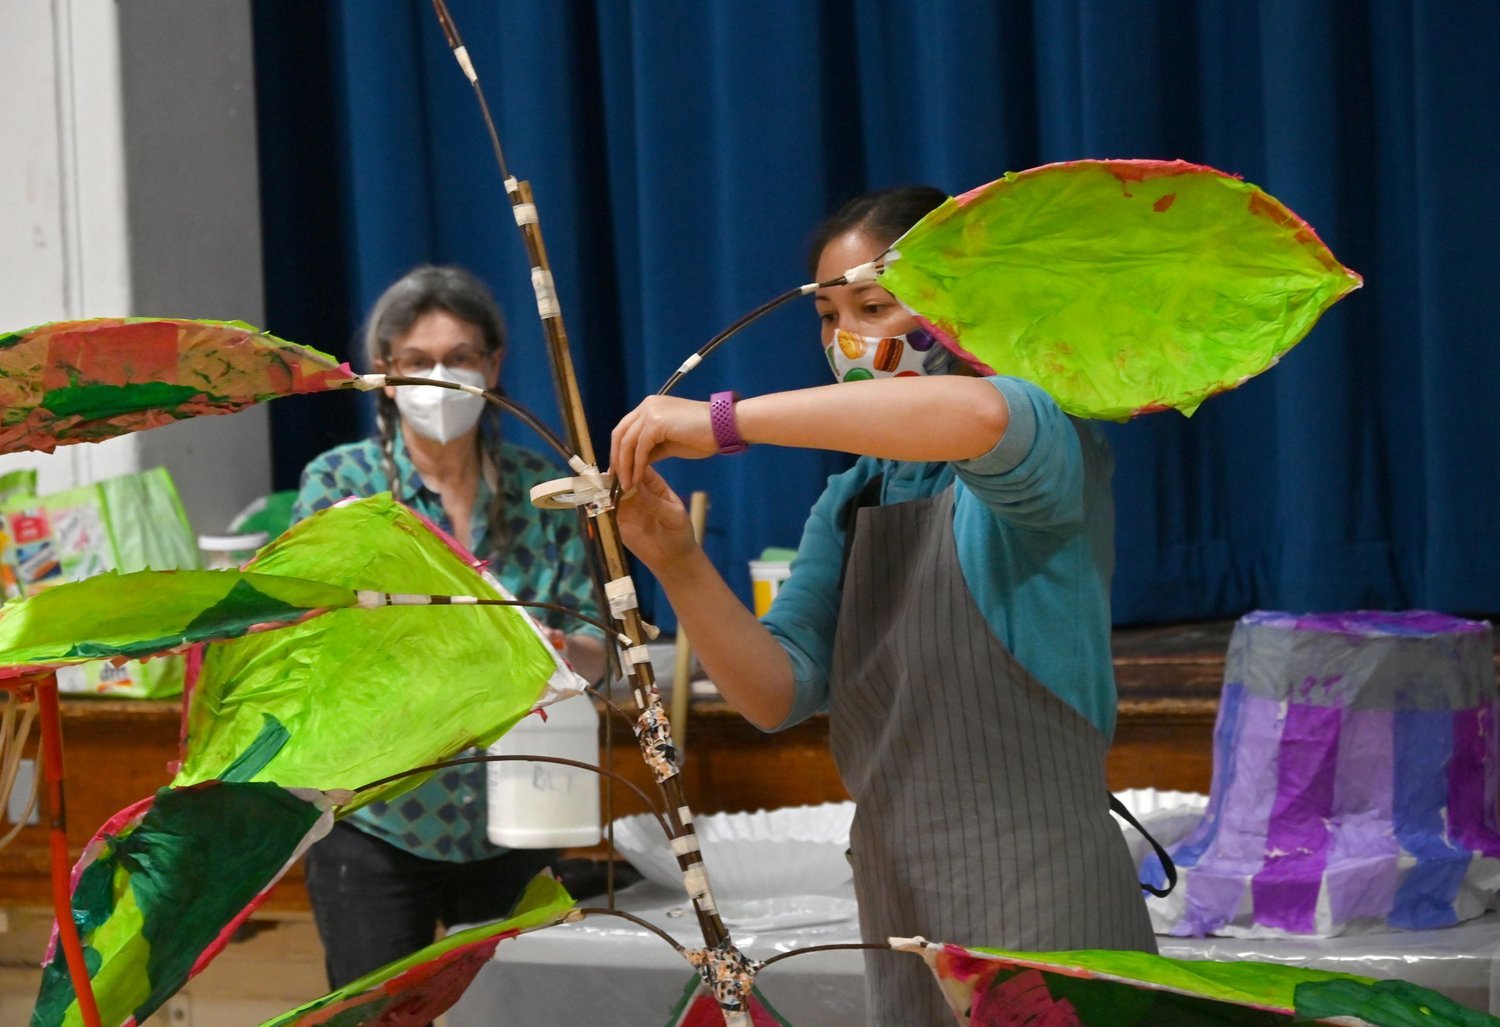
995,988
163,885
356,695
86,381
148,613
1119,286
421,987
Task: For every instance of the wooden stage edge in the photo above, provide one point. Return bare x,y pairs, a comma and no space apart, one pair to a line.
1169,681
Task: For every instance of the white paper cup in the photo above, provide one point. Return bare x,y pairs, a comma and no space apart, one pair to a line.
226,552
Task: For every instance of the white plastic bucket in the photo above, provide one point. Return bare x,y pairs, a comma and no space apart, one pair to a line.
226,552
766,577
547,805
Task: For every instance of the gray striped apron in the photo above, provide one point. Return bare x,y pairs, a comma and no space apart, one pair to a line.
982,814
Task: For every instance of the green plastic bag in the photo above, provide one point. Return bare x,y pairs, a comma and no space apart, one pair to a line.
133,522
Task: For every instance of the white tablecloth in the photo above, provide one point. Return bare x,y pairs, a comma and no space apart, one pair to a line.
607,970
1462,962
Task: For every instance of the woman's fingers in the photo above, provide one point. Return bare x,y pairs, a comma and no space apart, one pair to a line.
659,495
660,427
654,523
620,444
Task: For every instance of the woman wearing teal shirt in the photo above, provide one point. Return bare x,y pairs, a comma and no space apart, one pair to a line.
383,880
948,607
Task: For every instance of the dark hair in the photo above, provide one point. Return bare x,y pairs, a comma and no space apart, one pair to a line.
883,215
423,290
420,291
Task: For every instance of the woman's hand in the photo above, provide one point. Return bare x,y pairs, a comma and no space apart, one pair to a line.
660,427
654,523
749,666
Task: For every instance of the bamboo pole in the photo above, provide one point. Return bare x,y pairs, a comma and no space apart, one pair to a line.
724,967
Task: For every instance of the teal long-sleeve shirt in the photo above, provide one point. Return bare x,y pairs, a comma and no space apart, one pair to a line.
1033,520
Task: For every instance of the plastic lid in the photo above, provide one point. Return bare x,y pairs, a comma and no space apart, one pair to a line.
232,543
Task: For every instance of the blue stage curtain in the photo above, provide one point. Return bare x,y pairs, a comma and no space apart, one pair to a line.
681,152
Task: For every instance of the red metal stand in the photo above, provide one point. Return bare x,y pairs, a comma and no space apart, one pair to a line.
62,894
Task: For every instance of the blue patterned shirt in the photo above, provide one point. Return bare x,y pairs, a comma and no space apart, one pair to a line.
543,559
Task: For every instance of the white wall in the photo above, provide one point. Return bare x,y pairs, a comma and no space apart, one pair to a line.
130,187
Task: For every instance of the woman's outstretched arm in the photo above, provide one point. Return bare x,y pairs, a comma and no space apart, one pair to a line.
745,663
946,417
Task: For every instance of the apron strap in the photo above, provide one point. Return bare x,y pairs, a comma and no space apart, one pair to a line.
869,495
1167,866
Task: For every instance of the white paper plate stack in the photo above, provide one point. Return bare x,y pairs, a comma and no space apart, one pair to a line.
796,850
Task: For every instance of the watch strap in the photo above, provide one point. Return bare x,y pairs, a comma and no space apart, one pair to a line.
721,418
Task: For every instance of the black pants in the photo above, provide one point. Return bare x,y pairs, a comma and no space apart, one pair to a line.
375,903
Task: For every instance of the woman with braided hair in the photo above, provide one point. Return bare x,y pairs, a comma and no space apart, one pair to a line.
387,875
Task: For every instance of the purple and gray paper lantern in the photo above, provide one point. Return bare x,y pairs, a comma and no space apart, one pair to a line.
1355,780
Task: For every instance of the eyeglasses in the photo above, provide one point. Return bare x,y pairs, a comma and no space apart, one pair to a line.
415,363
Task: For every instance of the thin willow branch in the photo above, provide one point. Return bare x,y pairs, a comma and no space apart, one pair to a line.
609,631
744,322
724,336
876,946
561,761
612,705
500,400
646,924
456,44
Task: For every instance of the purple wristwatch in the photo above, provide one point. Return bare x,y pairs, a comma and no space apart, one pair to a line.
721,418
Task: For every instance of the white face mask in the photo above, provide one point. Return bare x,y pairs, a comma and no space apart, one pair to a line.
441,414
857,357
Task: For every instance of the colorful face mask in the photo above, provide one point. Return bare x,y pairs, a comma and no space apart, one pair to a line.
858,358
441,414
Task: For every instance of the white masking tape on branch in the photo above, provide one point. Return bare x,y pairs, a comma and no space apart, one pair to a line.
695,880
637,654
525,213
864,273
370,600
546,293
622,597
462,53
685,844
